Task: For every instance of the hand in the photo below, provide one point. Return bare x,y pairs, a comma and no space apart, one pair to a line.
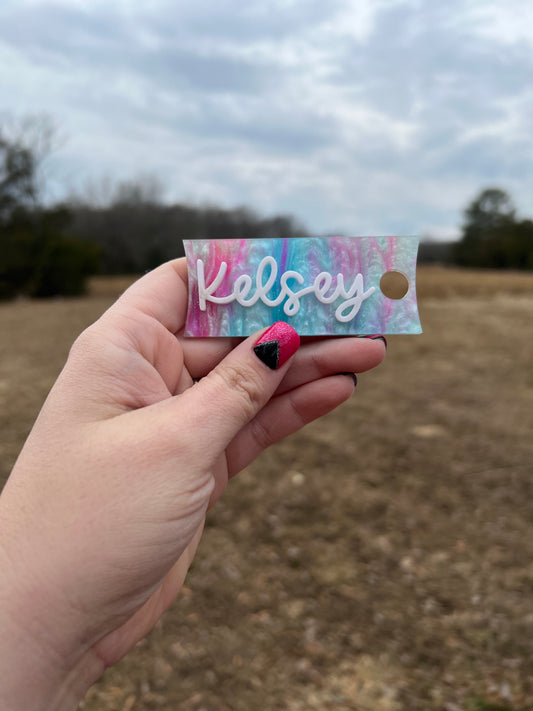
103,512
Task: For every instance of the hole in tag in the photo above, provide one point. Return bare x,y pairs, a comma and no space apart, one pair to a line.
394,284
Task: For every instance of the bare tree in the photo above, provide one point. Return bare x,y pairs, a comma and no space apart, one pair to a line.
26,144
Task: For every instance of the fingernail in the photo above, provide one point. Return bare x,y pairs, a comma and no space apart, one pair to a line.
376,337
353,376
277,344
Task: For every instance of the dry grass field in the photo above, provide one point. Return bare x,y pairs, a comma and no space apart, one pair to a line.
380,560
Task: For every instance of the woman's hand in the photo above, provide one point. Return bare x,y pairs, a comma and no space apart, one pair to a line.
103,512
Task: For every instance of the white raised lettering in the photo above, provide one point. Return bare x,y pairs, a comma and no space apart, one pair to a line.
347,310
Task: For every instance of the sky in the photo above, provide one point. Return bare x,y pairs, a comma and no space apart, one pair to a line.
355,116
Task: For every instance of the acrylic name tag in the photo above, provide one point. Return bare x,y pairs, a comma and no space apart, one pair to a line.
321,286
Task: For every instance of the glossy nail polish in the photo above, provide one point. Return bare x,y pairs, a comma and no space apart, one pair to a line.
277,345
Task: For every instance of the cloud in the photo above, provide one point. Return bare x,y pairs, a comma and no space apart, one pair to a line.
382,116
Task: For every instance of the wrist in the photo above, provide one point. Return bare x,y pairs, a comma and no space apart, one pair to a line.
31,678
37,670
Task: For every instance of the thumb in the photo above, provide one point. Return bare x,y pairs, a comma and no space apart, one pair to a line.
242,383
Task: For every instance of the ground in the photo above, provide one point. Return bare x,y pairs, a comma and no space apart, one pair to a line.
380,560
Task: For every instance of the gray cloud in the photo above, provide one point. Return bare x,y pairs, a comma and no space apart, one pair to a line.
228,20
58,34
374,116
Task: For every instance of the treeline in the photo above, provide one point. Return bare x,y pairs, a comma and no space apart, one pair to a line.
49,251
133,234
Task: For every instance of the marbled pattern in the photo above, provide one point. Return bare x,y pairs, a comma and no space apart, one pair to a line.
370,256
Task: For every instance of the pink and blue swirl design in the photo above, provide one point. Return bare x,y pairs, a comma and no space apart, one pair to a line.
369,256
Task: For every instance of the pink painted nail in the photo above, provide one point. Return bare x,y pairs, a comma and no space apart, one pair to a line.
277,345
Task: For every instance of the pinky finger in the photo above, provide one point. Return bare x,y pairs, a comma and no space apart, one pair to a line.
285,414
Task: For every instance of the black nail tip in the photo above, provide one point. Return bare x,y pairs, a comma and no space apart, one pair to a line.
268,353
379,338
353,376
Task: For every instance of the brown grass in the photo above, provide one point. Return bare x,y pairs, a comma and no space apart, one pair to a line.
101,286
378,561
444,283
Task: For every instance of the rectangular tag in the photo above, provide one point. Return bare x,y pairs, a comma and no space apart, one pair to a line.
320,285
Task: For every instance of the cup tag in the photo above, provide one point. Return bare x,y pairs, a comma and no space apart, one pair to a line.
320,285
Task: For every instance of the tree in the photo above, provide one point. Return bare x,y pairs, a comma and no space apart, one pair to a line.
25,145
492,209
144,190
37,256
17,179
492,235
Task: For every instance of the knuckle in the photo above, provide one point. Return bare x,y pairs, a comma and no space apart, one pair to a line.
300,416
261,434
84,345
241,381
317,363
